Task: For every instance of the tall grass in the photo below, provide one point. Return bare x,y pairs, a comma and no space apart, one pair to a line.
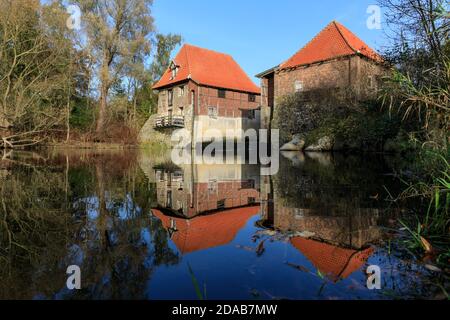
430,231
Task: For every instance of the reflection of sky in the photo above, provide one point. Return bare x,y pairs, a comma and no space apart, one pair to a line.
269,276
125,208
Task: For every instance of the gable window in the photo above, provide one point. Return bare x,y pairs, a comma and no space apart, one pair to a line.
170,97
298,86
222,93
212,112
251,97
173,69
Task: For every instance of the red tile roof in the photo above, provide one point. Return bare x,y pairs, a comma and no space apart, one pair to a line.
209,68
209,231
332,42
334,262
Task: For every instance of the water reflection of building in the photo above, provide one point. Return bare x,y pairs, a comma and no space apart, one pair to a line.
333,261
205,206
338,244
200,189
208,231
340,223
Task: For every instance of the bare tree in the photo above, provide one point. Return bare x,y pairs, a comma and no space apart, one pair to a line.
420,51
117,35
35,54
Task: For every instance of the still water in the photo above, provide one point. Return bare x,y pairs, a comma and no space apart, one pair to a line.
140,227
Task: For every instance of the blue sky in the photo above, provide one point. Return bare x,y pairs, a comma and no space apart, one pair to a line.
260,34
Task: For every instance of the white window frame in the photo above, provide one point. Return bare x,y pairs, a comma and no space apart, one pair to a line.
213,112
298,86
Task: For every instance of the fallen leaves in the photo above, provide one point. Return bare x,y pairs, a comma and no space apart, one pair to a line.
426,245
432,268
260,249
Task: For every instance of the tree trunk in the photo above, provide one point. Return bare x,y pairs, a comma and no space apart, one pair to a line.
102,110
68,120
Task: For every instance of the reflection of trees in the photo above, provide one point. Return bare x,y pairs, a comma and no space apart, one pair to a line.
34,228
337,198
331,181
92,210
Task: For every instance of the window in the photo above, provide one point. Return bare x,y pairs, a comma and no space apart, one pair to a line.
174,69
192,97
252,97
251,114
222,93
181,91
212,112
212,186
169,199
170,97
221,204
298,86
248,184
373,83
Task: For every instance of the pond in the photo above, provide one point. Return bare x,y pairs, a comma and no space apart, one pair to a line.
141,227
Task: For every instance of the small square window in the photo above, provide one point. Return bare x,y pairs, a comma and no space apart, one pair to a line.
252,97
222,93
221,204
298,86
373,82
212,112
212,186
251,114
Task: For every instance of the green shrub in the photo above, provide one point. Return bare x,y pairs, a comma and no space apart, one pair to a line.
82,115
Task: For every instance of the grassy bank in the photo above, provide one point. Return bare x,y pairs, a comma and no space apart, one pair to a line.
428,229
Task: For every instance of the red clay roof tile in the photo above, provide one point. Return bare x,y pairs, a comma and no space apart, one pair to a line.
332,42
335,262
209,68
204,232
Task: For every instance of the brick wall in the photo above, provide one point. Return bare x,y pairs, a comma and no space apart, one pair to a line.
180,102
230,106
348,73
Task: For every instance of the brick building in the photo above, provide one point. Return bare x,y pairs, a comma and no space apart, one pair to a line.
203,89
194,190
335,59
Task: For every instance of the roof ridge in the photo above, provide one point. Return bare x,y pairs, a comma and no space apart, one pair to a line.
242,69
187,59
206,49
337,25
307,44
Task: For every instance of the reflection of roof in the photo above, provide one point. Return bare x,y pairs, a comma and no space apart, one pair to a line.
209,68
209,231
335,262
332,42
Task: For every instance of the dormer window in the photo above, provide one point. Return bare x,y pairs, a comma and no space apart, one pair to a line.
173,69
